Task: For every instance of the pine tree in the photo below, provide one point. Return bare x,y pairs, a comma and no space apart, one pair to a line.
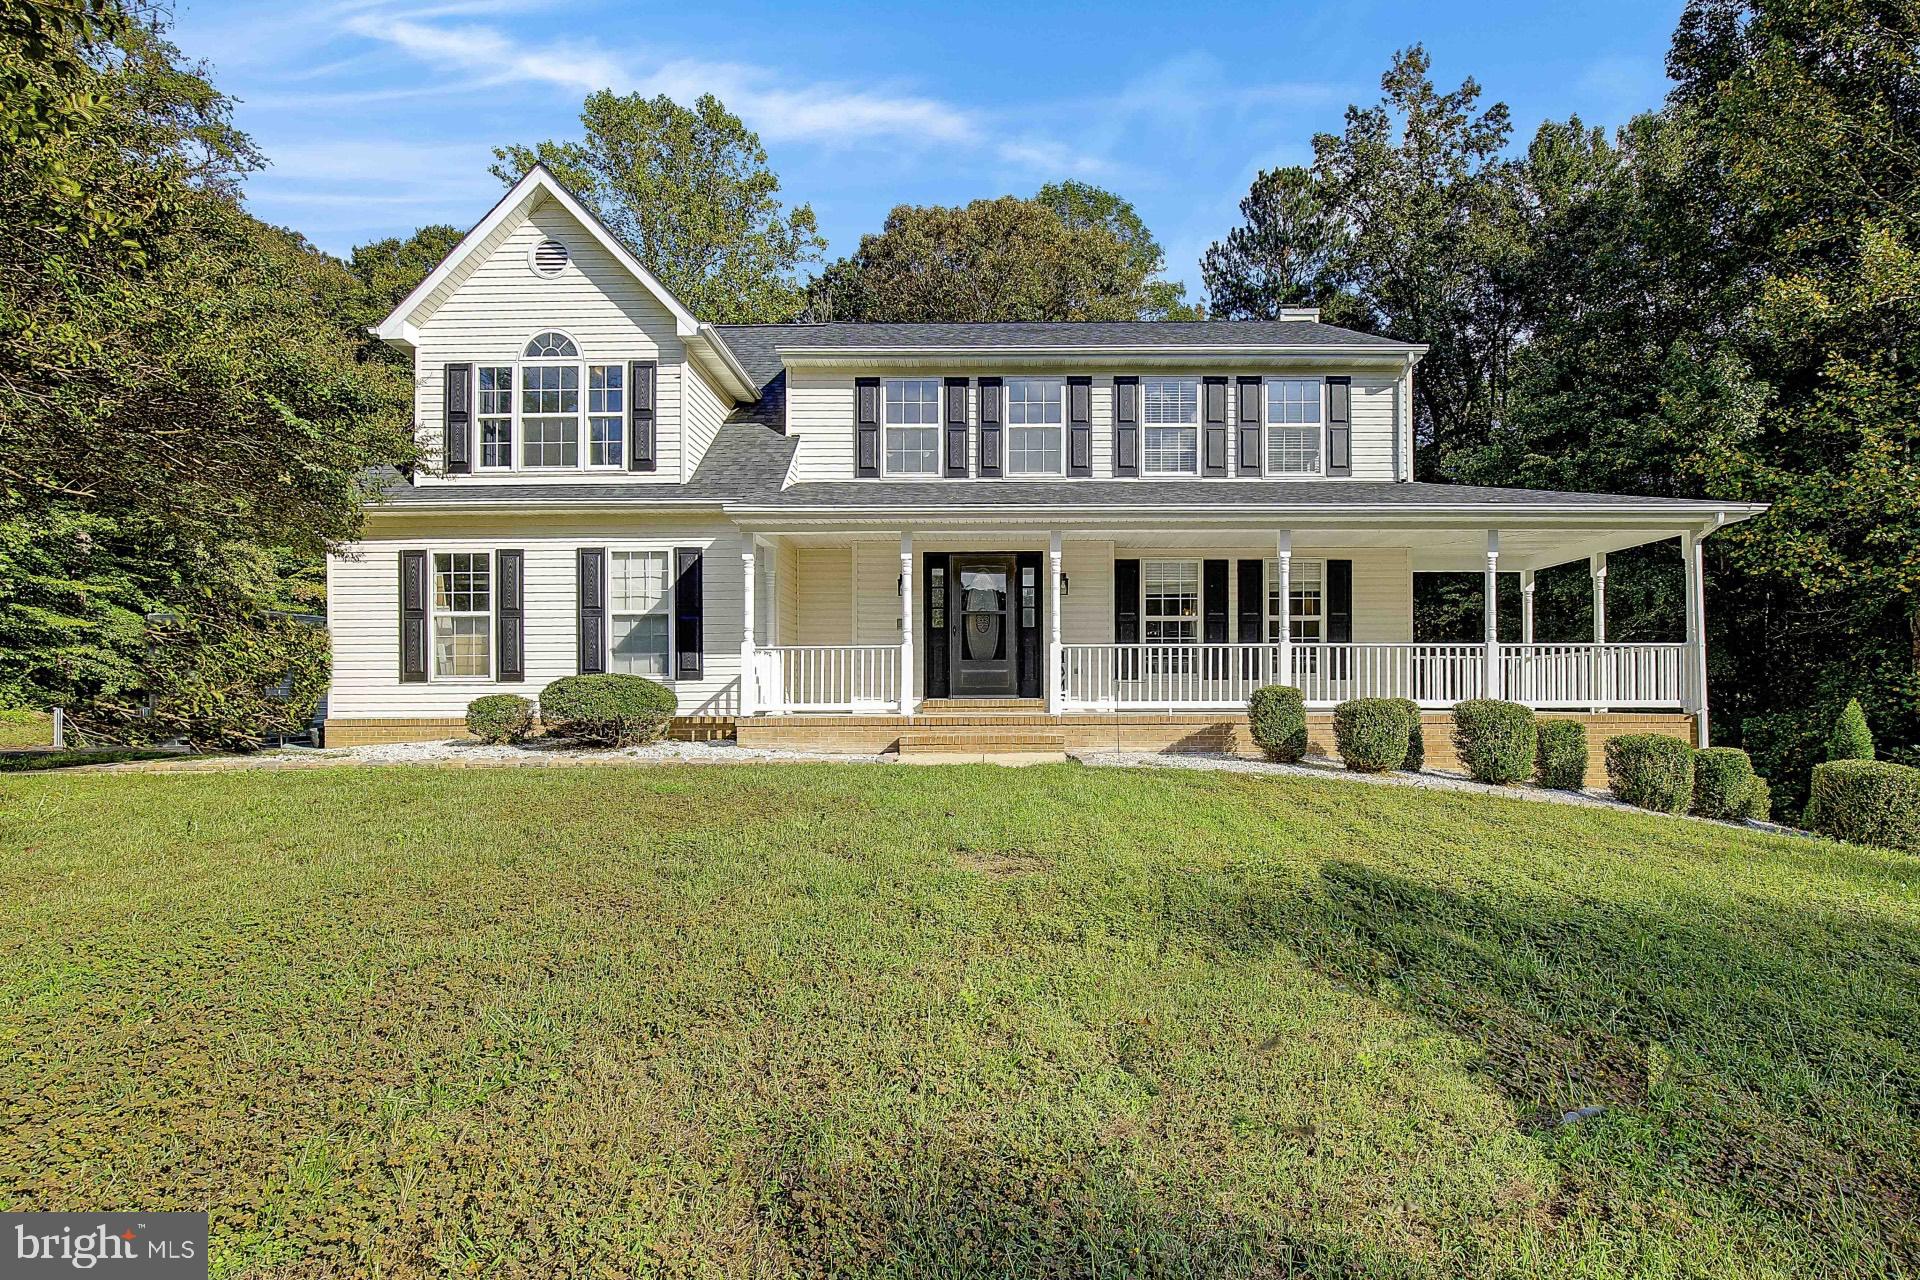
1851,739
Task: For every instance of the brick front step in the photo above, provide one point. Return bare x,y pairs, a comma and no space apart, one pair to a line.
980,741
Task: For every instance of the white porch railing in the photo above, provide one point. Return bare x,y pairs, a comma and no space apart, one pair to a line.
1163,676
1592,675
827,677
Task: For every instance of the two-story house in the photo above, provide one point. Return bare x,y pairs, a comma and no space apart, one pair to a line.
869,536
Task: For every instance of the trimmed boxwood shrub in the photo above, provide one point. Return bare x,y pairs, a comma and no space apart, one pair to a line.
1416,739
1495,740
1371,734
1561,760
1867,802
1722,779
1651,771
1277,714
500,717
1851,739
1758,805
615,710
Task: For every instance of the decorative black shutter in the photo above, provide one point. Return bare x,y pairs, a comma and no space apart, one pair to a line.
510,613
1339,427
1080,426
457,418
1030,603
957,423
866,426
643,415
990,416
413,617
1340,602
592,565
1126,616
1251,613
689,628
1213,445
933,614
1213,612
1126,426
1249,426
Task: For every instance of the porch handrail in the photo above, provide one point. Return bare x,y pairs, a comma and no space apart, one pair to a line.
1594,675
1433,675
826,677
1145,676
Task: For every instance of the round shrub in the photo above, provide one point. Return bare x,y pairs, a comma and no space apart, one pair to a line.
1867,802
500,717
1561,760
1851,739
1416,740
1277,714
1651,771
614,710
1722,778
1495,740
1371,734
1758,804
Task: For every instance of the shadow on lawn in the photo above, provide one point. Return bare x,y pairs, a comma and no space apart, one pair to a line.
1775,1056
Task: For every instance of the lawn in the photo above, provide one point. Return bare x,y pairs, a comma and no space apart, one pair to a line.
834,1020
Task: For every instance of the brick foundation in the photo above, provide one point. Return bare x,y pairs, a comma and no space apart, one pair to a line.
356,732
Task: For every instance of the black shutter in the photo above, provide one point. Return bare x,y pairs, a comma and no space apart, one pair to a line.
457,418
990,416
933,614
866,426
1029,602
1340,602
957,422
1339,427
510,613
1213,612
1252,611
1250,426
1126,426
1213,445
1126,616
643,415
1080,426
413,617
592,564
689,628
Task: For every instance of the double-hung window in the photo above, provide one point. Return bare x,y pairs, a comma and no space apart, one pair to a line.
1306,602
1171,601
910,410
606,408
462,616
550,408
496,415
638,613
1170,421
1293,426
1036,420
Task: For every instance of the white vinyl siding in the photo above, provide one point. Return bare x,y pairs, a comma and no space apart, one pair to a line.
705,411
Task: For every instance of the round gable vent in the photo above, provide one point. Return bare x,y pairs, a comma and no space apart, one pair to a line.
549,258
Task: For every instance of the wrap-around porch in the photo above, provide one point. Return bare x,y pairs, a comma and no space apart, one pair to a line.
1068,623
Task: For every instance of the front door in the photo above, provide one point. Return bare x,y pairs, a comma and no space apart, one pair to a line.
982,641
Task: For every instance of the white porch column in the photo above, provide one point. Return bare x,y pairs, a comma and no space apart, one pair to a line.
1283,556
1603,668
1526,606
749,693
1056,672
1695,682
1491,683
906,622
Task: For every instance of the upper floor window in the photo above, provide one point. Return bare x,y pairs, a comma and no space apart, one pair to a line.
535,412
910,419
1036,419
462,616
1293,426
1170,421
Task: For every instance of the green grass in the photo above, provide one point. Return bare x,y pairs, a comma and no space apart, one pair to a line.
842,1020
20,727
73,758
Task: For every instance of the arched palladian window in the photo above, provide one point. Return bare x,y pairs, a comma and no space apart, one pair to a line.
565,412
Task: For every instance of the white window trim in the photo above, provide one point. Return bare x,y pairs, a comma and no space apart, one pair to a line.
606,624
1271,579
1266,445
1007,426
1199,597
938,426
493,615
512,416
583,440
1199,415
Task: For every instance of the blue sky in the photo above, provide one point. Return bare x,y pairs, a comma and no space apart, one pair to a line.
380,116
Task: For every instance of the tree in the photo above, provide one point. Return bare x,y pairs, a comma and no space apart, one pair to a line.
690,193
1073,252
1289,252
387,271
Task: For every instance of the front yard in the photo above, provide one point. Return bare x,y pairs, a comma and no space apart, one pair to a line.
815,1019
